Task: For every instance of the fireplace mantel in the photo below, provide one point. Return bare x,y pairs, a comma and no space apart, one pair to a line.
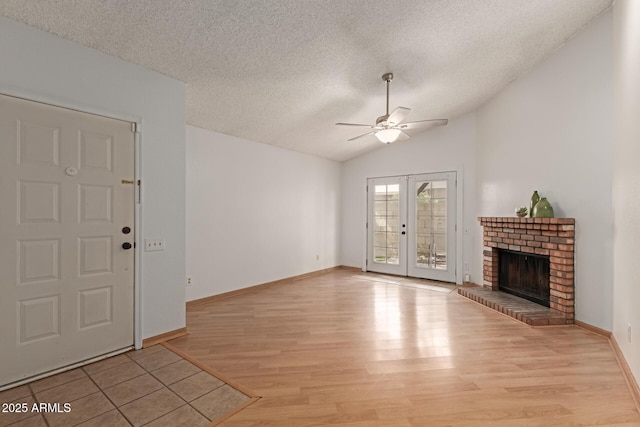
552,237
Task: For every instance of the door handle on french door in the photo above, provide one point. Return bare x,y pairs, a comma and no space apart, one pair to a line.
126,245
404,232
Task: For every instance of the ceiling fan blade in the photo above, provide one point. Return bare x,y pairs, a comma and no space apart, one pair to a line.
402,137
398,115
360,136
353,124
423,124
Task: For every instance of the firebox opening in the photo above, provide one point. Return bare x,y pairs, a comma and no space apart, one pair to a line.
524,275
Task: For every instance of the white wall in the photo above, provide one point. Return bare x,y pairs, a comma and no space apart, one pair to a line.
626,180
256,213
449,148
40,66
552,131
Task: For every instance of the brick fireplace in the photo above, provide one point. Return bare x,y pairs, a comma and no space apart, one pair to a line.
552,237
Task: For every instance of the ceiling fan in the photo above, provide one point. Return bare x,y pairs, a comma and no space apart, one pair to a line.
390,127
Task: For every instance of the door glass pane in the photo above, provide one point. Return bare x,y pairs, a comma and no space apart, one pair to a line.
386,217
431,224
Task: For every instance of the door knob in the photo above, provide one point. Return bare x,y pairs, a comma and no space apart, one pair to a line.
404,232
126,245
126,230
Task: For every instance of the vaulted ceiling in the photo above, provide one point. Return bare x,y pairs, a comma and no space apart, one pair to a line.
282,72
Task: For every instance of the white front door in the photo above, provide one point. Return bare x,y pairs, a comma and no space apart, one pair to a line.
411,226
66,217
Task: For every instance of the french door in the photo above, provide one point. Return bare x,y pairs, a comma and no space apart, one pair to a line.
66,237
411,226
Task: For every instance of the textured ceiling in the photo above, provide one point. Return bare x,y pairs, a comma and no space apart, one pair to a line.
282,72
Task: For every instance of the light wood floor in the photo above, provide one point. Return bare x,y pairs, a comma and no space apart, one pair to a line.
349,348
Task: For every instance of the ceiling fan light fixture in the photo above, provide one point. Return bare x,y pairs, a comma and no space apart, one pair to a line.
387,136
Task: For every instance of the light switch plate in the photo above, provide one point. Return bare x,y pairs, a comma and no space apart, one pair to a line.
151,245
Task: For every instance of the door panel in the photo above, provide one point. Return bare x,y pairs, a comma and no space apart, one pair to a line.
431,242
386,253
66,282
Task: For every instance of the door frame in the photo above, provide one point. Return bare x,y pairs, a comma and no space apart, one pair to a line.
137,166
459,217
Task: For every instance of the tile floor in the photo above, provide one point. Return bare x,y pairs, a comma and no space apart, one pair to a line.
149,387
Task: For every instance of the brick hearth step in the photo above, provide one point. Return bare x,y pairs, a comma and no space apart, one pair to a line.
520,309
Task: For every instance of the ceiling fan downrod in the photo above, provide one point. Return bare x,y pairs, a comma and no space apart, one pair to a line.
387,77
382,120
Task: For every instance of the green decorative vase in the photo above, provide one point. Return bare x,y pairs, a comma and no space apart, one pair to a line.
543,209
535,198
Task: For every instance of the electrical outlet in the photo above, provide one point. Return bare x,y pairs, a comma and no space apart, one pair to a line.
153,245
629,332
189,281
